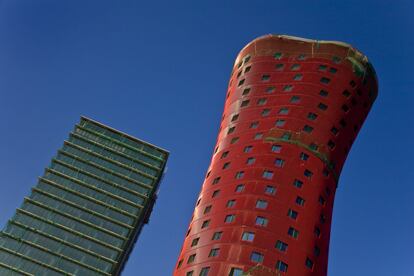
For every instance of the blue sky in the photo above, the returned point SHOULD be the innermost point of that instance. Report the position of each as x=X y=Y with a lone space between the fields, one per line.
x=159 y=70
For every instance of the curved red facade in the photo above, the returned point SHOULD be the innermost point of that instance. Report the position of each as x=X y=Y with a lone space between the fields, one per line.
x=293 y=109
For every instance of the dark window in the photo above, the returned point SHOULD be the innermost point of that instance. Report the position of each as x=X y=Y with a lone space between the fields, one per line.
x=297 y=183
x=336 y=59
x=226 y=165
x=352 y=83
x=241 y=82
x=298 y=77
x=345 y=108
x=254 y=125
x=191 y=258
x=292 y=214
x=265 y=77
x=205 y=224
x=333 y=70
x=250 y=160
x=288 y=88
x=280 y=123
x=270 y=89
x=256 y=257
x=244 y=103
x=295 y=67
x=215 y=193
x=267 y=174
x=331 y=144
x=265 y=112
x=234 y=140
x=258 y=136
x=224 y=154
x=322 y=67
x=308 y=173
x=231 y=130
x=302 y=57
x=317 y=232
x=322 y=106
x=284 y=111
x=316 y=251
x=295 y=99
x=189 y=273
x=279 y=66
x=279 y=162
x=281 y=266
x=248 y=149
x=307 y=129
x=214 y=252
x=239 y=175
x=207 y=209
x=300 y=201
x=246 y=59
x=293 y=232
x=216 y=180
x=278 y=55
x=322 y=201
x=304 y=156
x=334 y=130
x=247 y=69
x=179 y=263
x=312 y=116
x=309 y=263
x=204 y=271
x=217 y=235
x=236 y=272
x=235 y=117
x=281 y=246
x=195 y=242
x=346 y=93
x=342 y=123
x=246 y=92
x=261 y=101
x=230 y=203
x=323 y=93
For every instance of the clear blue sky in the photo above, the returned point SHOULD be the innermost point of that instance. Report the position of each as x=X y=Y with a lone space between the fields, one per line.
x=159 y=70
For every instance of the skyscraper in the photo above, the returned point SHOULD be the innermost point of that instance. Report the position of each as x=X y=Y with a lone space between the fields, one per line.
x=293 y=109
x=86 y=211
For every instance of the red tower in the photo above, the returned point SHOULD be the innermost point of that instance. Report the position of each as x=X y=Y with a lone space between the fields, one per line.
x=293 y=108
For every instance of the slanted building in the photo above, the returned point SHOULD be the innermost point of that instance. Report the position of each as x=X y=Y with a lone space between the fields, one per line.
x=85 y=213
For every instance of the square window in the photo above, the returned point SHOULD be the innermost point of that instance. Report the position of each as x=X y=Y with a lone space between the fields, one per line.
x=248 y=236
x=231 y=203
x=207 y=209
x=292 y=214
x=308 y=173
x=217 y=236
x=247 y=69
x=267 y=174
x=246 y=92
x=298 y=77
x=261 y=101
x=284 y=111
x=288 y=88
x=246 y=59
x=244 y=103
x=215 y=193
x=261 y=204
x=191 y=258
x=241 y=82
x=278 y=55
x=276 y=148
x=309 y=263
x=189 y=273
x=313 y=146
x=226 y=165
x=265 y=112
x=322 y=106
x=312 y=116
x=322 y=67
x=216 y=180
x=297 y=183
x=295 y=99
x=261 y=221
x=346 y=93
x=231 y=130
x=239 y=188
x=248 y=149
x=323 y=93
x=250 y=160
x=304 y=156
x=234 y=140
x=280 y=122
x=270 y=89
x=279 y=66
x=333 y=70
x=224 y=154
x=205 y=224
x=279 y=162
x=300 y=201
x=307 y=129
x=239 y=175
x=204 y=271
x=239 y=74
x=293 y=232
x=281 y=246
x=286 y=136
x=235 y=117
x=281 y=266
x=270 y=190
x=229 y=218
x=236 y=272
x=254 y=125
x=295 y=67
x=256 y=257
x=214 y=252
x=258 y=136
x=265 y=77
x=195 y=242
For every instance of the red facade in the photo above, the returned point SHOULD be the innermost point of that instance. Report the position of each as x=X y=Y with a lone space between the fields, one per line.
x=293 y=109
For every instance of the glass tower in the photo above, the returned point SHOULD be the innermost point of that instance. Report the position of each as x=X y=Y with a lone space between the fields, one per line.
x=85 y=213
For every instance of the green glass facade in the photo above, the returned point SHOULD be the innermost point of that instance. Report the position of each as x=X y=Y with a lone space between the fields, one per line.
x=85 y=213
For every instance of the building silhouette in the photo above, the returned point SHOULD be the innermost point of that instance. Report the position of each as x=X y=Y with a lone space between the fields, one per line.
x=85 y=213
x=292 y=111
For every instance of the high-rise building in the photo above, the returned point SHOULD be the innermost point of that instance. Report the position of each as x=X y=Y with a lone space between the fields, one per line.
x=293 y=109
x=85 y=213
